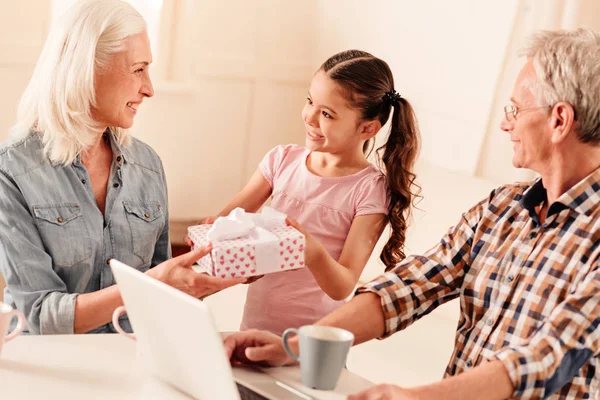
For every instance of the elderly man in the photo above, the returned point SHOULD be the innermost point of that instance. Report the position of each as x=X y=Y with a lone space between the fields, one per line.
x=524 y=262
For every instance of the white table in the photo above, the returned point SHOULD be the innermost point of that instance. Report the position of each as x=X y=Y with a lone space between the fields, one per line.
x=104 y=367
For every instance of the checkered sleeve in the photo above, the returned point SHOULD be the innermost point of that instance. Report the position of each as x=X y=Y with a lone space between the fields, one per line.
x=540 y=365
x=419 y=284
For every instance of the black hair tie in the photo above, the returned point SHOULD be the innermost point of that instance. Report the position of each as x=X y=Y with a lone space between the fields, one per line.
x=391 y=97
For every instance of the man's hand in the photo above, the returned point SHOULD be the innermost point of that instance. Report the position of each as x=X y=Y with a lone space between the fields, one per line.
x=386 y=392
x=488 y=381
x=256 y=347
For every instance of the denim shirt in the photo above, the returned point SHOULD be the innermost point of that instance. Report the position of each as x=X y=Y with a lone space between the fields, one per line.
x=55 y=242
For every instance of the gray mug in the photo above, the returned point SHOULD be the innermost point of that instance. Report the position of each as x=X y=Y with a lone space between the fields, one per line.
x=323 y=353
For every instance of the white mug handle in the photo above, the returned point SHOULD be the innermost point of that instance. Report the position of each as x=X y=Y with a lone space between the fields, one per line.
x=115 y=320
x=20 y=325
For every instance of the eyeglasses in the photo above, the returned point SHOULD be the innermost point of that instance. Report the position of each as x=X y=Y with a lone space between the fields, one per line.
x=511 y=111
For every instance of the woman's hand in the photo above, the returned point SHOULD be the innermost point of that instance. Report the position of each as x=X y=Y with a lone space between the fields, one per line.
x=203 y=221
x=178 y=273
x=253 y=279
x=313 y=250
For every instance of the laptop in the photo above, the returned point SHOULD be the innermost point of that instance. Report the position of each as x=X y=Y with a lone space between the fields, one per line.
x=180 y=345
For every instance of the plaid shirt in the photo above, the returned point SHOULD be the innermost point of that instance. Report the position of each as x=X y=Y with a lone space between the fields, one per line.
x=529 y=292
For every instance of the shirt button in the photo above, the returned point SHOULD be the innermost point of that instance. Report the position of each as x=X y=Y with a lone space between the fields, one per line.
x=490 y=322
x=469 y=363
x=83 y=181
x=60 y=220
x=147 y=215
x=116 y=185
x=118 y=158
x=108 y=261
x=510 y=278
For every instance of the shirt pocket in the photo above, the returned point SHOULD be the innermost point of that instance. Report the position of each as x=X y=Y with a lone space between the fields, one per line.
x=63 y=232
x=146 y=221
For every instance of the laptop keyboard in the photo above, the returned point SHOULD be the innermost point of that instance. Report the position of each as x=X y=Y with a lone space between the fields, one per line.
x=249 y=394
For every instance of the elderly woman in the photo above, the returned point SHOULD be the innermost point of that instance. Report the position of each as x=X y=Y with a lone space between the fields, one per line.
x=76 y=190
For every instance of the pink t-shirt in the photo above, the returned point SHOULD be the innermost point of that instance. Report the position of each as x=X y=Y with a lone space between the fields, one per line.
x=325 y=207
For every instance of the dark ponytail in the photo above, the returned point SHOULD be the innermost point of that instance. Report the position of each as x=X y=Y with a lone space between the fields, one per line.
x=368 y=84
x=398 y=155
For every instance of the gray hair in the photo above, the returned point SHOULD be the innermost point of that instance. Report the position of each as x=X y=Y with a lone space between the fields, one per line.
x=567 y=64
x=58 y=100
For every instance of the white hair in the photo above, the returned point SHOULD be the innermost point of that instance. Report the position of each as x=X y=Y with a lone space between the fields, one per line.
x=58 y=100
x=567 y=65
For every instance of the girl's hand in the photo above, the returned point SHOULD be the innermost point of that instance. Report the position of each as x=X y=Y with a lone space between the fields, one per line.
x=205 y=220
x=313 y=251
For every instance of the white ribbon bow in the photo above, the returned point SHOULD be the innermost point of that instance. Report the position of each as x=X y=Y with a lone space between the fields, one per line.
x=240 y=224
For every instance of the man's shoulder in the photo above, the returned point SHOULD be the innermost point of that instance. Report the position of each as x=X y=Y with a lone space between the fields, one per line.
x=505 y=195
x=499 y=201
x=514 y=190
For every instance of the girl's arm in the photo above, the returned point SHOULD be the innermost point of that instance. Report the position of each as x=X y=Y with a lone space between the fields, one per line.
x=252 y=196
x=338 y=278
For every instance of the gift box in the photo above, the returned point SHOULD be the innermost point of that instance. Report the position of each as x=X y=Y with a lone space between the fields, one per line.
x=246 y=244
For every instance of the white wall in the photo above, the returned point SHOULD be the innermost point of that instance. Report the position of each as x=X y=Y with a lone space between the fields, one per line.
x=23 y=27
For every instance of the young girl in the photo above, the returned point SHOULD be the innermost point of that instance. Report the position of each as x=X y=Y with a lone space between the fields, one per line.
x=340 y=201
